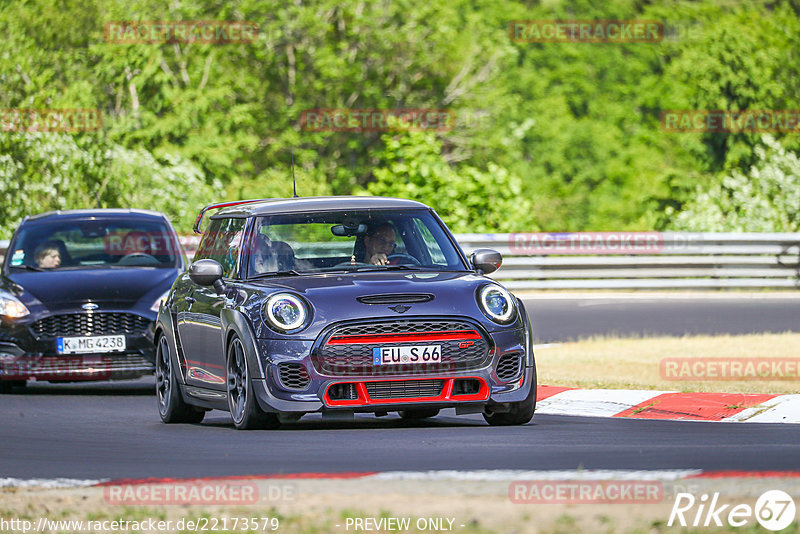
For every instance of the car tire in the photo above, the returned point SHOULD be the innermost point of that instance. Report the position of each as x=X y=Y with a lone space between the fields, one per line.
x=7 y=386
x=419 y=413
x=242 y=403
x=171 y=406
x=519 y=413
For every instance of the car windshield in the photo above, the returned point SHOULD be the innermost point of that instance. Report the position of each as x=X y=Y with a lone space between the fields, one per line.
x=358 y=240
x=94 y=243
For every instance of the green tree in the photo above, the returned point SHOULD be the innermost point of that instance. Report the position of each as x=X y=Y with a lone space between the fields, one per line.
x=468 y=199
x=47 y=171
x=765 y=199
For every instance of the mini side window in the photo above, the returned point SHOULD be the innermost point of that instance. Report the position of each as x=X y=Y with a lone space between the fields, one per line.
x=222 y=242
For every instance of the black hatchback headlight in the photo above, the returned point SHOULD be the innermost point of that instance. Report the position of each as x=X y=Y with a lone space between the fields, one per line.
x=11 y=306
x=286 y=312
x=497 y=304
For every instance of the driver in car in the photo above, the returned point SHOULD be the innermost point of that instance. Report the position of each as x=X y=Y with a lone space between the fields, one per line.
x=136 y=242
x=379 y=242
x=47 y=255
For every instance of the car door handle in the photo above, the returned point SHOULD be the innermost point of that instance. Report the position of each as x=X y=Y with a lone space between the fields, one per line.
x=190 y=300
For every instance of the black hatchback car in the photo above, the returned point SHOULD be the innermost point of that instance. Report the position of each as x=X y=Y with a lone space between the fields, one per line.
x=340 y=305
x=79 y=295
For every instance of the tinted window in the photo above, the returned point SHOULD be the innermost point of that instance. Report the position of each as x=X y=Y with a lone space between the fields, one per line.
x=221 y=242
x=95 y=243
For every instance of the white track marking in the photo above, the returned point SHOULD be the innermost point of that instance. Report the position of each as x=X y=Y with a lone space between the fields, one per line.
x=781 y=409
x=47 y=482
x=493 y=475
x=594 y=402
x=733 y=295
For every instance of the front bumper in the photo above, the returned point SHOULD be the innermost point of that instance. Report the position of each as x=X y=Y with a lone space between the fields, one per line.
x=306 y=389
x=26 y=355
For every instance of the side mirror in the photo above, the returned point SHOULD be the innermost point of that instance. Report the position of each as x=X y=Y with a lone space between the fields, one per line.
x=486 y=260
x=207 y=273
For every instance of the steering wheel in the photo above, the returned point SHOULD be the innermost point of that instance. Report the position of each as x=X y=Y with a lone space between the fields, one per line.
x=397 y=259
x=137 y=258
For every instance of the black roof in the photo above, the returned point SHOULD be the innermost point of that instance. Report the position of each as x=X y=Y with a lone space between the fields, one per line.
x=275 y=206
x=104 y=213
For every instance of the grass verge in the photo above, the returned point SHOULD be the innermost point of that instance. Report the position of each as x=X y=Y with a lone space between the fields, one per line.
x=625 y=363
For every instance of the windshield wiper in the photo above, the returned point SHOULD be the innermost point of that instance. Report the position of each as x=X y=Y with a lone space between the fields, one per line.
x=28 y=267
x=290 y=272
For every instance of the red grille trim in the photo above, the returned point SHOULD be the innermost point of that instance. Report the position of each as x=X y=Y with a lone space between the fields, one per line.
x=360 y=339
x=446 y=395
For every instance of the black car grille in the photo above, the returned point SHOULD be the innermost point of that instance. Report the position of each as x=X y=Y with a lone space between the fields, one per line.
x=293 y=375
x=90 y=324
x=401 y=327
x=402 y=389
x=356 y=359
x=8 y=338
x=509 y=366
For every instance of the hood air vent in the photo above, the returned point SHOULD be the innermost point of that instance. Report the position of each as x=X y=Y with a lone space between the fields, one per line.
x=396 y=298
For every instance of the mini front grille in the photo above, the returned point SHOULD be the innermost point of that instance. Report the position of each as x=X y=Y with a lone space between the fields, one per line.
x=509 y=366
x=398 y=327
x=356 y=359
x=402 y=389
x=293 y=375
x=90 y=324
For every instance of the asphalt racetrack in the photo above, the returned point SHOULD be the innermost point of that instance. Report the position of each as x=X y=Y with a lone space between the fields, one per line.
x=556 y=319
x=112 y=430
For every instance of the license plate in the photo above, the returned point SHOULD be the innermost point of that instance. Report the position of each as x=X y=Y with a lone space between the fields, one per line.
x=407 y=354
x=93 y=344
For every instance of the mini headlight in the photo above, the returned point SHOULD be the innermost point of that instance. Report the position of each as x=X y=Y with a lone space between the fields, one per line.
x=285 y=311
x=10 y=306
x=497 y=303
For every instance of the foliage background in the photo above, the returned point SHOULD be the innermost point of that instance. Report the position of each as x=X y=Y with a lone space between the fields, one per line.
x=553 y=137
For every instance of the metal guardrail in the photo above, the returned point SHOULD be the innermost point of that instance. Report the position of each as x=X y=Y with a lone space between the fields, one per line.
x=632 y=260
x=660 y=261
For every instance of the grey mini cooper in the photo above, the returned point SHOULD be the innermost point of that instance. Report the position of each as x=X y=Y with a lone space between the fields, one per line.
x=340 y=305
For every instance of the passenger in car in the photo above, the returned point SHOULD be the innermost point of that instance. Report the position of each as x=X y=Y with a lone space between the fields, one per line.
x=272 y=256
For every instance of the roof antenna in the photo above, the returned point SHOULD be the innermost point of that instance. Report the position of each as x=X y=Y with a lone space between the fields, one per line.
x=294 y=183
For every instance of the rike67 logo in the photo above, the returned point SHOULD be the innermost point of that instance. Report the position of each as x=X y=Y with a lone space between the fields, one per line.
x=774 y=510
